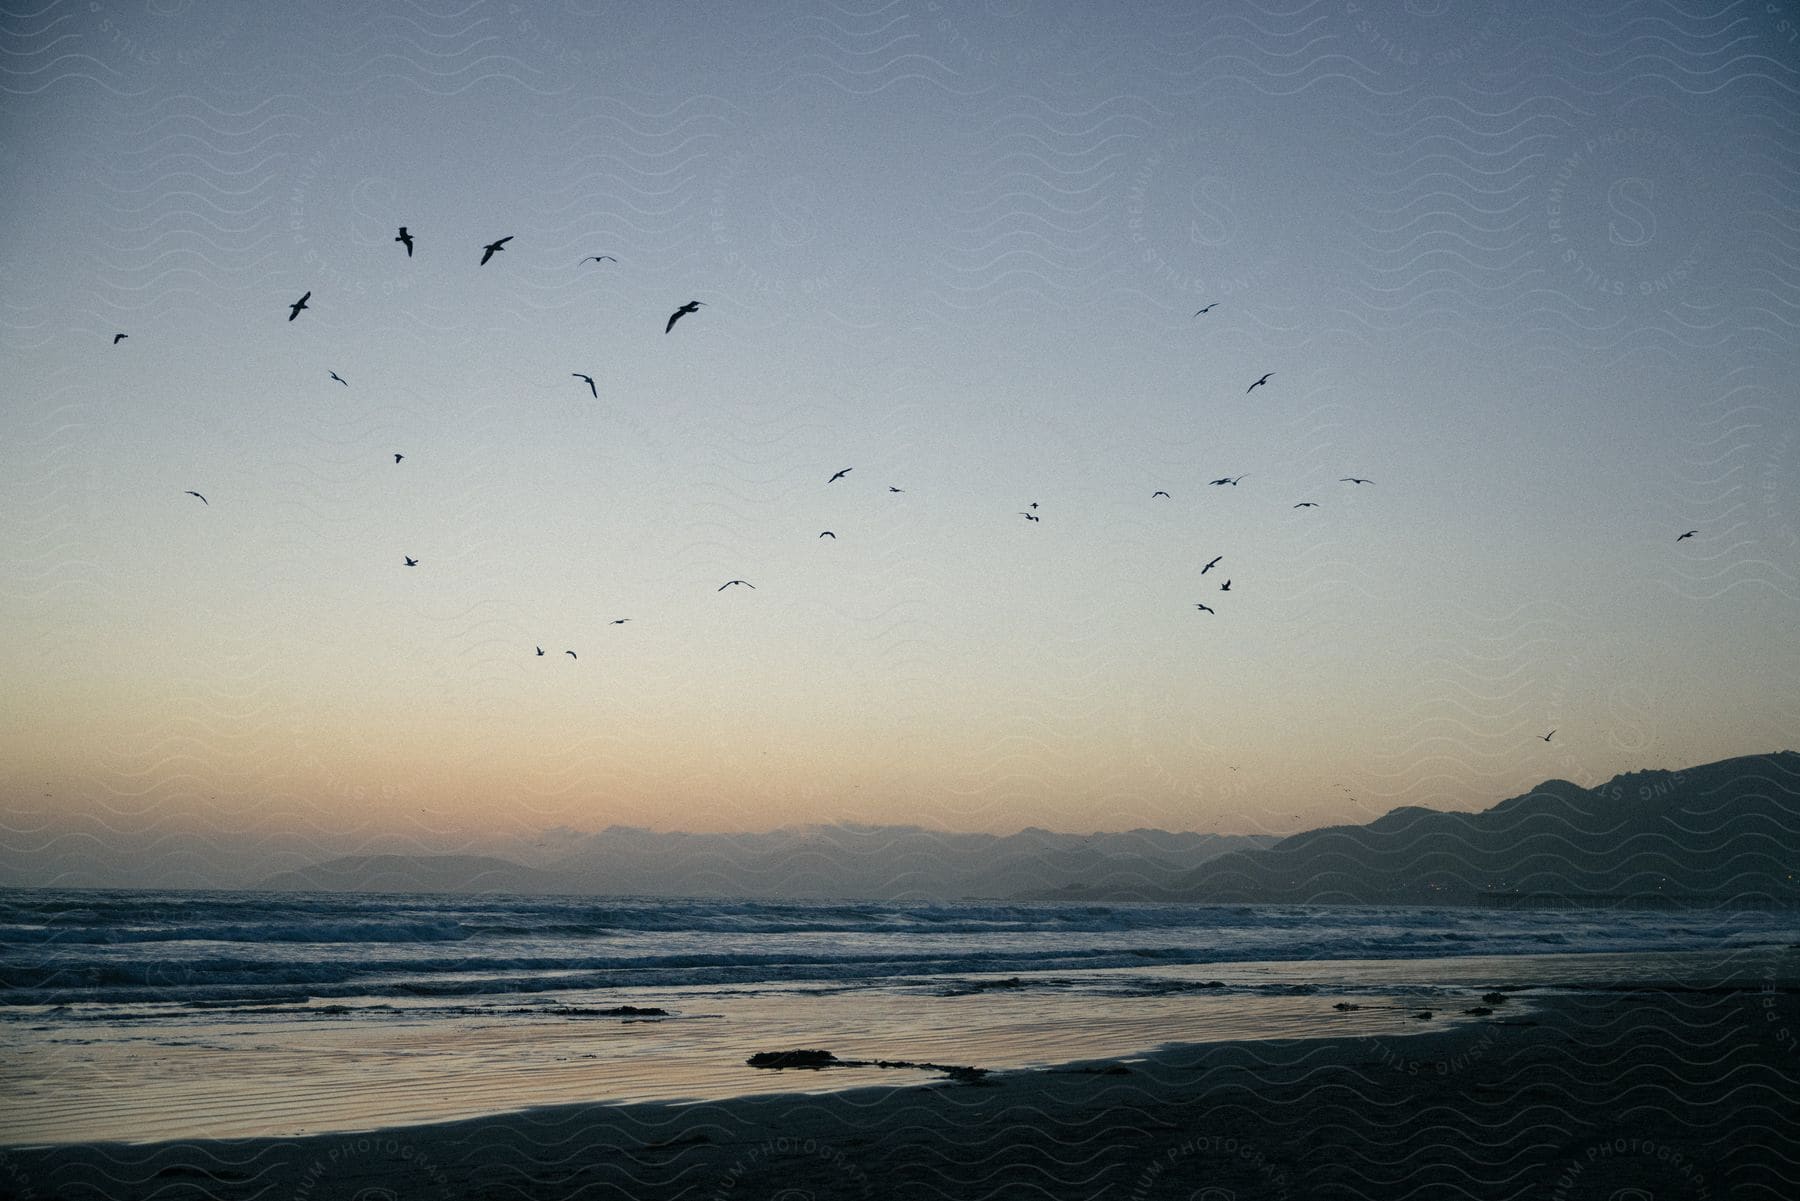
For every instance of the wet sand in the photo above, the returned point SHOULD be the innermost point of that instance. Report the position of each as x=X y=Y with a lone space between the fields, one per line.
x=1682 y=1093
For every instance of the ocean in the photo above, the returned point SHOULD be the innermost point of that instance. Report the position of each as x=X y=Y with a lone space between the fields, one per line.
x=147 y=1015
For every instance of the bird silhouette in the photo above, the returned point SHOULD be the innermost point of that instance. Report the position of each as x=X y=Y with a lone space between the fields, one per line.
x=692 y=306
x=410 y=561
x=493 y=248
x=1350 y=479
x=572 y=654
x=1207 y=608
x=398 y=456
x=405 y=239
x=840 y=475
x=1157 y=493
x=294 y=309
x=540 y=650
x=1209 y=566
x=599 y=258
x=1227 y=480
x=891 y=488
x=340 y=379
x=729 y=583
x=1547 y=736
x=118 y=338
x=1689 y=534
x=1225 y=587
x=203 y=500
x=1029 y=516
x=1032 y=505
x=828 y=534
x=1307 y=504
x=619 y=621
x=1259 y=383
x=589 y=380
x=1209 y=308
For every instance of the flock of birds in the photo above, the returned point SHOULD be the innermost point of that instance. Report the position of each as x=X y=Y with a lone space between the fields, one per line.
x=488 y=251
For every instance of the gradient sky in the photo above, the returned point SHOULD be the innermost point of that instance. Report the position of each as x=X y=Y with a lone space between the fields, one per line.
x=1536 y=272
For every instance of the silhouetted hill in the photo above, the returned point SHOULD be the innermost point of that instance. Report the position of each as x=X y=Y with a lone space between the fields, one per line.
x=1722 y=833
x=867 y=862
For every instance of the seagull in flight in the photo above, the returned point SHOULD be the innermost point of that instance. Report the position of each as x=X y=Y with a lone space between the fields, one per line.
x=1209 y=308
x=1029 y=516
x=572 y=654
x=729 y=583
x=691 y=306
x=1350 y=479
x=118 y=338
x=1207 y=608
x=1259 y=383
x=1209 y=566
x=294 y=309
x=405 y=239
x=619 y=621
x=1547 y=736
x=599 y=258
x=1225 y=587
x=1159 y=492
x=891 y=488
x=1689 y=534
x=589 y=381
x=410 y=561
x=493 y=248
x=1232 y=480
x=398 y=456
x=840 y=475
x=540 y=650
x=340 y=379
x=203 y=500
x=828 y=534
x=1307 y=504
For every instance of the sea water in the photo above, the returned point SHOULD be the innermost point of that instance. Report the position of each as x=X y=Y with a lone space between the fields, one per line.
x=151 y=1015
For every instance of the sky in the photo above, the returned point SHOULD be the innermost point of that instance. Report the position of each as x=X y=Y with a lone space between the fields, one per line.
x=1533 y=272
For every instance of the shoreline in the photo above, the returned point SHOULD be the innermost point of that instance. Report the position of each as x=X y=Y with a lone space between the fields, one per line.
x=1681 y=1092
x=234 y=1075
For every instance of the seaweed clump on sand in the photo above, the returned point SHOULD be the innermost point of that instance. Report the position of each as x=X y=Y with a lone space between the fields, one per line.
x=812 y=1059
x=794 y=1059
x=588 y=1011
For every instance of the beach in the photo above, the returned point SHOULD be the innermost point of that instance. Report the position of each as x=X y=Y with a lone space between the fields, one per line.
x=1683 y=1091
x=239 y=1047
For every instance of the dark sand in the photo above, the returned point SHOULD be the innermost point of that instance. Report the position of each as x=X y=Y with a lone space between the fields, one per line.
x=1680 y=1094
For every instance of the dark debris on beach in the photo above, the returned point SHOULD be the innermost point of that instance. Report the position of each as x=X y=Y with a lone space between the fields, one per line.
x=814 y=1060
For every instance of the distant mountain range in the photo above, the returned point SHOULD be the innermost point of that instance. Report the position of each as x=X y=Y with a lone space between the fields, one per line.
x=1720 y=834
x=865 y=862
